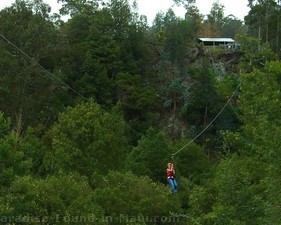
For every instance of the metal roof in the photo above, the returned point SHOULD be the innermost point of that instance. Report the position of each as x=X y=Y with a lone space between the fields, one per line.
x=216 y=39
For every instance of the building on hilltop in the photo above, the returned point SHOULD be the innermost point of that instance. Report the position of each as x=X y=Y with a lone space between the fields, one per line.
x=227 y=43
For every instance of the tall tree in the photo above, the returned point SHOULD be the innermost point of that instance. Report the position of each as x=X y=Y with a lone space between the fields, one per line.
x=92 y=56
x=71 y=8
x=263 y=21
x=13 y=162
x=56 y=199
x=137 y=200
x=232 y=26
x=34 y=91
x=121 y=13
x=195 y=18
x=216 y=18
x=259 y=105
x=150 y=156
x=89 y=140
x=185 y=3
x=255 y=53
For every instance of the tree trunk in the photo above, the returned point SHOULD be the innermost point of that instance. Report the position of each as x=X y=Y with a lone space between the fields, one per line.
x=278 y=29
x=205 y=121
x=266 y=23
x=259 y=37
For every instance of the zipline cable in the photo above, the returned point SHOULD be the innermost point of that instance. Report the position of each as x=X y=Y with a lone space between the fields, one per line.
x=48 y=72
x=234 y=92
x=76 y=92
x=52 y=75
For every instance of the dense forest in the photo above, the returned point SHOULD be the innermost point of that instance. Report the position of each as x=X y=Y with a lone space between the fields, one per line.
x=92 y=109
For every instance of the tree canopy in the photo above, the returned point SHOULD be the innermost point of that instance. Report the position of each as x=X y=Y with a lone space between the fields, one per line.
x=92 y=109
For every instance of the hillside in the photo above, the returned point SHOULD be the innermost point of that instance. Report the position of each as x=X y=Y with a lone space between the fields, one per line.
x=93 y=109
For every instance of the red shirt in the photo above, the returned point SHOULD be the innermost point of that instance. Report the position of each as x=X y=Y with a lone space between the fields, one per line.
x=170 y=173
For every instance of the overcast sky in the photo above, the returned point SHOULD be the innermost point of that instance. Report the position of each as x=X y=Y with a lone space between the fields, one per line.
x=150 y=7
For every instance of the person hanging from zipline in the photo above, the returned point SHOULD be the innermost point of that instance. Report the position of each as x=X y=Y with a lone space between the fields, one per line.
x=171 y=177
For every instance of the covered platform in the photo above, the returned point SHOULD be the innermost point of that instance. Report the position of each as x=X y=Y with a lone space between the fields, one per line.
x=216 y=42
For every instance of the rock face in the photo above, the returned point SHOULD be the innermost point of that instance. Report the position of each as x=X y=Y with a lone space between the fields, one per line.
x=229 y=58
x=222 y=61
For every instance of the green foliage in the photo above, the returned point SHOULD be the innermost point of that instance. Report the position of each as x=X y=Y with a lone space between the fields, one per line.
x=260 y=110
x=263 y=21
x=34 y=92
x=89 y=140
x=35 y=150
x=5 y=125
x=195 y=19
x=134 y=94
x=231 y=27
x=13 y=161
x=263 y=129
x=234 y=194
x=76 y=7
x=191 y=162
x=128 y=198
x=265 y=99
x=94 y=56
x=138 y=101
x=216 y=18
x=225 y=85
x=240 y=192
x=258 y=140
x=177 y=92
x=205 y=101
x=185 y=3
x=273 y=189
x=176 y=35
x=150 y=156
x=255 y=53
x=64 y=199
x=158 y=78
x=201 y=200
x=216 y=51
x=172 y=88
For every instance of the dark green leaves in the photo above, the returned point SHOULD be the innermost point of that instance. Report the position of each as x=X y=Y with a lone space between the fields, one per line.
x=89 y=140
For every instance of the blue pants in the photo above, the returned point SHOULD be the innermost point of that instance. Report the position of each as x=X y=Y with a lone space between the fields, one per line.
x=173 y=184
